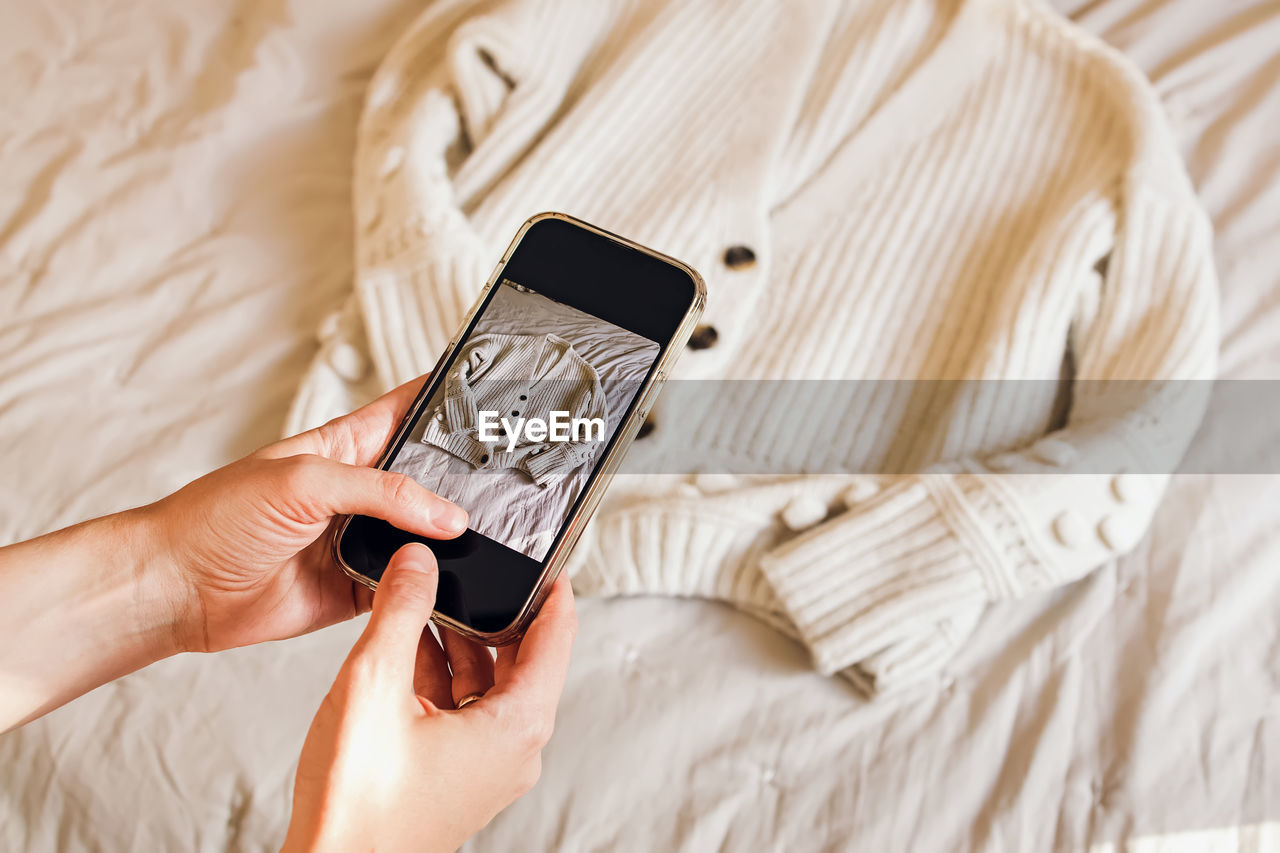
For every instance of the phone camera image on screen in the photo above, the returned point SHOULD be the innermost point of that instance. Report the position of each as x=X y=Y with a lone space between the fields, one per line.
x=532 y=398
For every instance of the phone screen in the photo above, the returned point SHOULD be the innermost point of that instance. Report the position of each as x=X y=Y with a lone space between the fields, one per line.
x=531 y=398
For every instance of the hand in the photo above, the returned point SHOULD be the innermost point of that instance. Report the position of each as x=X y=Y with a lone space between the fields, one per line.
x=237 y=557
x=388 y=764
x=243 y=547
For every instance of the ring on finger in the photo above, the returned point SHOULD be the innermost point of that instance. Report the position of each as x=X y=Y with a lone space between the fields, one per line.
x=468 y=699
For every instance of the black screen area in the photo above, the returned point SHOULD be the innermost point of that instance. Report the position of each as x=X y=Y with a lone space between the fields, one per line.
x=483 y=583
x=571 y=331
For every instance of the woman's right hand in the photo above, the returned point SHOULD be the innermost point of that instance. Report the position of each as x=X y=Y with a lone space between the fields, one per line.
x=389 y=764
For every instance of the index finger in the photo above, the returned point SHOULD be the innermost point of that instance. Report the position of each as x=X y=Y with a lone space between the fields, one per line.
x=532 y=673
x=356 y=438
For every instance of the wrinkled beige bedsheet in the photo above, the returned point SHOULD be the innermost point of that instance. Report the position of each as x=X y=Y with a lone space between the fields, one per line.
x=174 y=223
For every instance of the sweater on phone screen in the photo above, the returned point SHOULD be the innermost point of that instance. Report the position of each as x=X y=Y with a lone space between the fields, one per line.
x=518 y=377
x=890 y=192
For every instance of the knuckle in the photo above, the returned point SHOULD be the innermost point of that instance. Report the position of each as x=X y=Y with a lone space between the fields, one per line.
x=399 y=488
x=339 y=440
x=462 y=667
x=532 y=733
x=264 y=452
x=523 y=731
x=297 y=473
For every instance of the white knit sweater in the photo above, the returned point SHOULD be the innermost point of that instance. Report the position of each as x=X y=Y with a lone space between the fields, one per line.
x=889 y=190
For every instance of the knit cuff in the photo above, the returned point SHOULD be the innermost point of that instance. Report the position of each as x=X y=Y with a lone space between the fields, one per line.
x=560 y=459
x=884 y=572
x=676 y=549
x=460 y=413
x=920 y=658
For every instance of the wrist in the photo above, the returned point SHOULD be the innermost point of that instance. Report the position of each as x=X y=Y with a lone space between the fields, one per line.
x=78 y=608
x=131 y=599
x=160 y=608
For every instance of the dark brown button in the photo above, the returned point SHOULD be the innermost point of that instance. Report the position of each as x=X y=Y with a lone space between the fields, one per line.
x=739 y=257
x=647 y=427
x=703 y=337
x=484 y=457
x=1101 y=266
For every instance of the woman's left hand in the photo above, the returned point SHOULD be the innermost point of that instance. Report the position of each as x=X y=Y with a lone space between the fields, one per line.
x=244 y=546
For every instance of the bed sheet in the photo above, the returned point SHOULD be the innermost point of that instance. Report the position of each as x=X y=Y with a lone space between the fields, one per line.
x=175 y=222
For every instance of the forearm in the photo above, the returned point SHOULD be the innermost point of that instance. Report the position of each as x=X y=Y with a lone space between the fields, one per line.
x=78 y=608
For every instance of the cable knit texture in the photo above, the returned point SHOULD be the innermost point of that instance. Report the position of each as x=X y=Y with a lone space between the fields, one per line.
x=930 y=190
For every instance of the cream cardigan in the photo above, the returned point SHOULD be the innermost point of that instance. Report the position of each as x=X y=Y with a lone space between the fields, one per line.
x=889 y=190
x=517 y=376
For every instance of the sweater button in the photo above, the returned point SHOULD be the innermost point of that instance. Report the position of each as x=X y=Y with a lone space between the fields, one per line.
x=1054 y=451
x=348 y=362
x=860 y=490
x=1070 y=529
x=703 y=337
x=739 y=257
x=1127 y=487
x=331 y=326
x=1118 y=534
x=803 y=512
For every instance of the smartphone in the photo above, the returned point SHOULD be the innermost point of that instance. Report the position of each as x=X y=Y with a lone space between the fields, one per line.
x=528 y=413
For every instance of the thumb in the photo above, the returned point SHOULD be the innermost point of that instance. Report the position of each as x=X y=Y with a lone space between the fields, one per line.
x=402 y=607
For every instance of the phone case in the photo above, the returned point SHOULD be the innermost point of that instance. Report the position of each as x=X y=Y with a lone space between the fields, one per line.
x=608 y=466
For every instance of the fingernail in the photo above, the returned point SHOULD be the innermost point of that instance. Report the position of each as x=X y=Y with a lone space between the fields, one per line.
x=415 y=556
x=450 y=517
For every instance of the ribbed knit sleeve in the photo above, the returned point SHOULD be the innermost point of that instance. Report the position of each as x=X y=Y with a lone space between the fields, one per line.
x=932 y=548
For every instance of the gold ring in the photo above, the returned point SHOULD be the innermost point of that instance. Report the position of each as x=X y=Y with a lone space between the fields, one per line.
x=468 y=699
